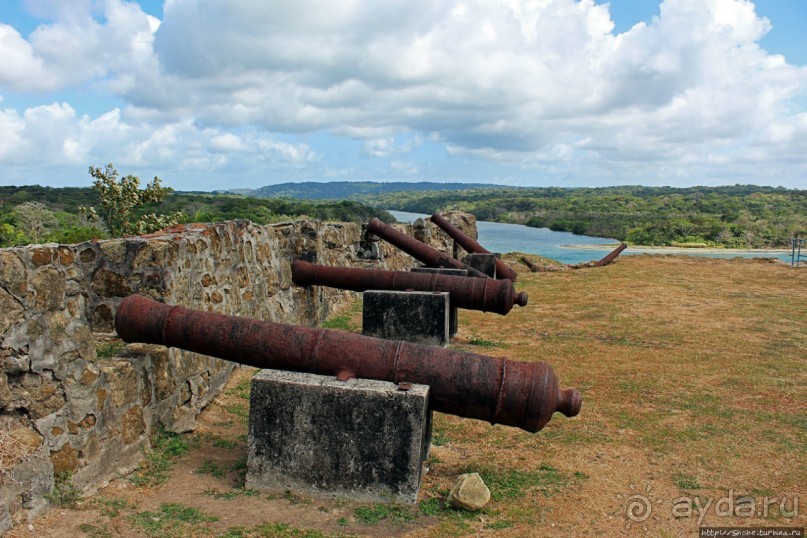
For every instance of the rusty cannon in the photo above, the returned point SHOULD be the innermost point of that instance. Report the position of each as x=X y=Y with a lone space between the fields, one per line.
x=419 y=250
x=483 y=294
x=498 y=390
x=611 y=256
x=503 y=271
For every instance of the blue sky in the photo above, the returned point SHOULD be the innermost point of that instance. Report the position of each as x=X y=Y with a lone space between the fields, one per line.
x=244 y=93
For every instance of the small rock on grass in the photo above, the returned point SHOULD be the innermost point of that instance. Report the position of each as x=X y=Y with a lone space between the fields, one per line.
x=469 y=493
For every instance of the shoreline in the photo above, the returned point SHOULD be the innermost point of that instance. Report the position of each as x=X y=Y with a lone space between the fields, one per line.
x=640 y=249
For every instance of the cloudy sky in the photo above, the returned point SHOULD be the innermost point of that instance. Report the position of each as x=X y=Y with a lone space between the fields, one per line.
x=219 y=94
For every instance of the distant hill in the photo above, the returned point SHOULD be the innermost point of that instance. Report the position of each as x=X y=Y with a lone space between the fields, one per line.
x=341 y=190
x=245 y=192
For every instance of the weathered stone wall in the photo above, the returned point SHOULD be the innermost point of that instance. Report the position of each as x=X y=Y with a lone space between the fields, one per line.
x=64 y=408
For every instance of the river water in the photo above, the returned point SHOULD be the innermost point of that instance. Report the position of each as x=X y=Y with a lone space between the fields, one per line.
x=567 y=247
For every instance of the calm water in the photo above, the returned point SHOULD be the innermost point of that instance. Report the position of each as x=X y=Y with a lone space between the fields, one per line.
x=500 y=237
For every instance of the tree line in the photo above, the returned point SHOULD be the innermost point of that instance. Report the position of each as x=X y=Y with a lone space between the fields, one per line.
x=117 y=205
x=739 y=216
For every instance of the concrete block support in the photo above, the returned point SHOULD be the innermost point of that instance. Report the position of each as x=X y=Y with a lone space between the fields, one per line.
x=453 y=322
x=486 y=263
x=421 y=317
x=360 y=439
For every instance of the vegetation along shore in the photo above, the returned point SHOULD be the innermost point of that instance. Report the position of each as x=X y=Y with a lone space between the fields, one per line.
x=734 y=217
x=740 y=216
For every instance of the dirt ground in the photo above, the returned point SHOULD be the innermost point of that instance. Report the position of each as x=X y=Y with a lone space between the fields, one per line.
x=694 y=381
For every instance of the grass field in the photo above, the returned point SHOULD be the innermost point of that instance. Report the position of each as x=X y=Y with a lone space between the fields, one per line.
x=694 y=378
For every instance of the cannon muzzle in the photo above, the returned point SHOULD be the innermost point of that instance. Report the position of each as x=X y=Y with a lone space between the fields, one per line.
x=498 y=390
x=503 y=271
x=483 y=294
x=611 y=256
x=419 y=250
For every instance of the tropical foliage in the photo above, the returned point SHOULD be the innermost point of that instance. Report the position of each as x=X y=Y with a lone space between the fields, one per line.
x=57 y=215
x=737 y=216
x=120 y=198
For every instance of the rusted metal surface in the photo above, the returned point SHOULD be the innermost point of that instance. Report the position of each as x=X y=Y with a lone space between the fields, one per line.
x=612 y=256
x=418 y=250
x=531 y=265
x=503 y=271
x=501 y=391
x=483 y=294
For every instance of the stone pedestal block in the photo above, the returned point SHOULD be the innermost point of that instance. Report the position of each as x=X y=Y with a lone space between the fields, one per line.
x=359 y=439
x=421 y=317
x=453 y=322
x=485 y=263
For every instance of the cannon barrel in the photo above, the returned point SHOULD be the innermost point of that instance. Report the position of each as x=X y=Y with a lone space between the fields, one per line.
x=498 y=390
x=612 y=256
x=503 y=271
x=483 y=294
x=417 y=249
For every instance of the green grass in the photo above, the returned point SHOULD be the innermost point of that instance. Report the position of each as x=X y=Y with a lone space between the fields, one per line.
x=220 y=442
x=500 y=524
x=513 y=483
x=374 y=513
x=686 y=482
x=432 y=507
x=452 y=521
x=64 y=494
x=241 y=410
x=240 y=464
x=343 y=323
x=439 y=439
x=112 y=507
x=172 y=521
x=241 y=390
x=283 y=530
x=481 y=342
x=212 y=468
x=166 y=447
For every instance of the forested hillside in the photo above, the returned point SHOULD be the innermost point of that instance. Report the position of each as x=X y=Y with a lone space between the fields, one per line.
x=34 y=214
x=738 y=216
x=342 y=190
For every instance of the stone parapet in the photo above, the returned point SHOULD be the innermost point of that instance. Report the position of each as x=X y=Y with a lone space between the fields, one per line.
x=70 y=402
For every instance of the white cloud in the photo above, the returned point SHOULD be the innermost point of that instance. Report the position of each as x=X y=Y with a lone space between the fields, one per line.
x=228 y=143
x=379 y=147
x=56 y=135
x=521 y=83
x=20 y=69
x=75 y=47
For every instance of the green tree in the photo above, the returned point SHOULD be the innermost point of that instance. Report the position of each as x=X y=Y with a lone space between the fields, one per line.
x=121 y=198
x=36 y=219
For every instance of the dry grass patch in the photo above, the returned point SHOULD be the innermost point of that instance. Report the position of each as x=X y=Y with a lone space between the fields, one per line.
x=694 y=383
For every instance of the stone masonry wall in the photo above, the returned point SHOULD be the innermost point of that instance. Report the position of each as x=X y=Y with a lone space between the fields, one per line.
x=64 y=408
